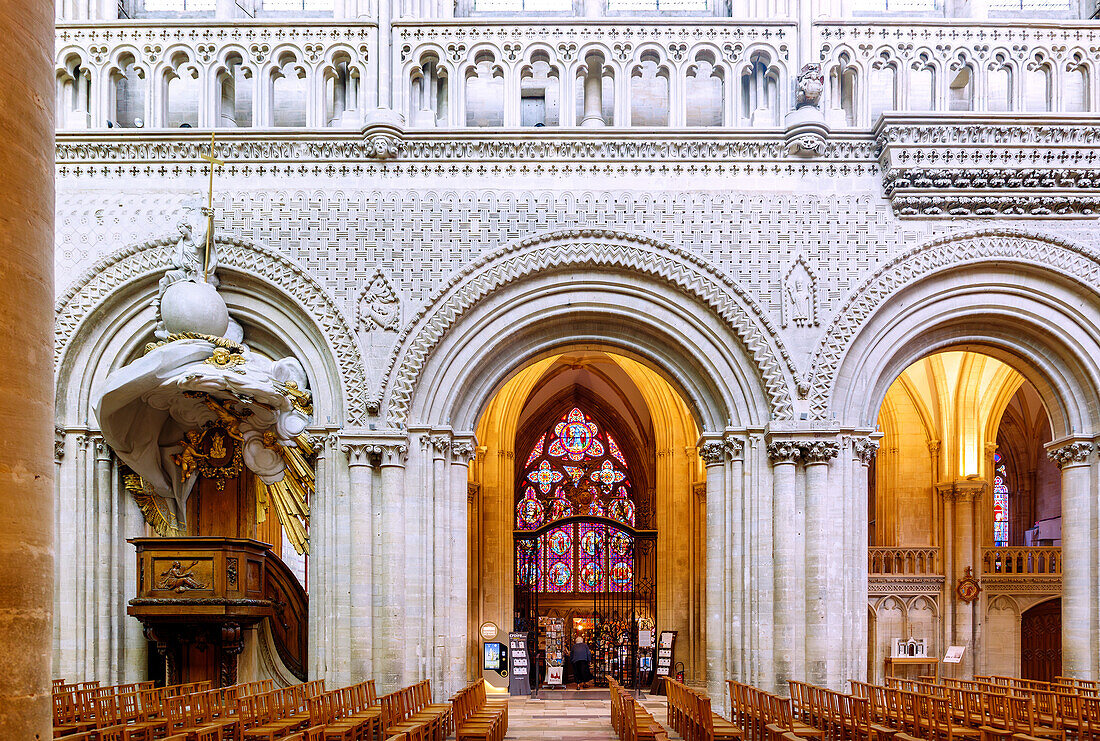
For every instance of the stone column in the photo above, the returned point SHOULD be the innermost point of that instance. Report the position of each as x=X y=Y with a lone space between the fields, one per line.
x=439 y=565
x=864 y=450
x=104 y=533
x=26 y=356
x=361 y=458
x=713 y=453
x=817 y=455
x=1078 y=553
x=463 y=644
x=789 y=606
x=737 y=560
x=593 y=92
x=389 y=624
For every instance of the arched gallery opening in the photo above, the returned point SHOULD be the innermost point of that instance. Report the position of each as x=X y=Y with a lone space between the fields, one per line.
x=587 y=506
x=962 y=491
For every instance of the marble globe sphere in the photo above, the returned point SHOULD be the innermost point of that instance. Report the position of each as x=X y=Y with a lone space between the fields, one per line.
x=194 y=307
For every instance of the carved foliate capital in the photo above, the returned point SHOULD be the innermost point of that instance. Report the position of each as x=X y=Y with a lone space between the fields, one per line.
x=819 y=451
x=713 y=452
x=394 y=454
x=1073 y=454
x=361 y=454
x=102 y=449
x=440 y=446
x=734 y=447
x=462 y=451
x=784 y=451
x=865 y=450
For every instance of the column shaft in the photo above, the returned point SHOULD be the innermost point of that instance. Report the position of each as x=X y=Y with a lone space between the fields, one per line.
x=26 y=355
x=717 y=563
x=818 y=545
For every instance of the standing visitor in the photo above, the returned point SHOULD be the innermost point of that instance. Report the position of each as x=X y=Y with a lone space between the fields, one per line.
x=580 y=657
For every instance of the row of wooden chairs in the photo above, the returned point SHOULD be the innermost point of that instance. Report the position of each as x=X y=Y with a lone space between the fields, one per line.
x=270 y=716
x=630 y=720
x=690 y=715
x=347 y=714
x=411 y=711
x=476 y=717
x=765 y=716
x=1066 y=709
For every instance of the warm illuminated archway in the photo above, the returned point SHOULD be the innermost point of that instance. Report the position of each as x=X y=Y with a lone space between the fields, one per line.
x=954 y=424
x=646 y=434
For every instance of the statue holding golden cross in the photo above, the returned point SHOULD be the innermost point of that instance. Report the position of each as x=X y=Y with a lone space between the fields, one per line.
x=209 y=210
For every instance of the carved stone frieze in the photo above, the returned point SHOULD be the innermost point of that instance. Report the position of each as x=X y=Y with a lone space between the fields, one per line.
x=886 y=584
x=1034 y=584
x=941 y=165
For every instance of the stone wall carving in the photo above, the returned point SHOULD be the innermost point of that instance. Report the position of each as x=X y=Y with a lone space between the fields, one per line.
x=139 y=261
x=379 y=307
x=577 y=247
x=963 y=248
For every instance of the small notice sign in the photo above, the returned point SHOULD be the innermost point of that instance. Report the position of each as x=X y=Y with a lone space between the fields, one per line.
x=954 y=655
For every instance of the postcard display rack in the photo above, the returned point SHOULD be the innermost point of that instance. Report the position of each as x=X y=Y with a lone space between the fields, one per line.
x=552 y=643
x=519 y=665
x=665 y=647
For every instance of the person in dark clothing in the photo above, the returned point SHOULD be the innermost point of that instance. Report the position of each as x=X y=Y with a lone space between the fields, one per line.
x=581 y=657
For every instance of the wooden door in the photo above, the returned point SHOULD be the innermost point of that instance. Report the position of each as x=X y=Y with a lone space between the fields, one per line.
x=1041 y=641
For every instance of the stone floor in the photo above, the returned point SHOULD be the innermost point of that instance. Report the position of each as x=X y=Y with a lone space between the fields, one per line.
x=569 y=720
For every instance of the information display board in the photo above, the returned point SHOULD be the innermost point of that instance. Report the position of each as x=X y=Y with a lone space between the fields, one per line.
x=519 y=665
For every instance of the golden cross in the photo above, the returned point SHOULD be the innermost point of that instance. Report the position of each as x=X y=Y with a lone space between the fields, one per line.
x=214 y=162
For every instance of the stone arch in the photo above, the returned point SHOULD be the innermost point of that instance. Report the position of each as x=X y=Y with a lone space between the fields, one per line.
x=765 y=373
x=1022 y=296
x=130 y=274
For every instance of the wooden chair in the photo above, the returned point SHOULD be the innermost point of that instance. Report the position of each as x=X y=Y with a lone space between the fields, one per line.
x=1024 y=724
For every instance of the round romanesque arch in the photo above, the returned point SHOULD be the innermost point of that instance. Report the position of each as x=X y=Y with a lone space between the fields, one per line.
x=597 y=287
x=105 y=316
x=1007 y=293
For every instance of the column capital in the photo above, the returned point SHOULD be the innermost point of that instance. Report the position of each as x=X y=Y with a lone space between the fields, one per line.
x=1072 y=454
x=103 y=451
x=394 y=454
x=440 y=444
x=865 y=449
x=463 y=451
x=713 y=452
x=961 y=491
x=819 y=451
x=784 y=451
x=361 y=453
x=735 y=448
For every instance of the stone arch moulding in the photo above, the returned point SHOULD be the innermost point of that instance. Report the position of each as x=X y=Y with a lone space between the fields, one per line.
x=140 y=261
x=585 y=248
x=1047 y=260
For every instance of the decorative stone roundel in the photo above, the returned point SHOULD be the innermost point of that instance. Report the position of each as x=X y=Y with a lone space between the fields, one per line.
x=585 y=248
x=959 y=249
x=135 y=262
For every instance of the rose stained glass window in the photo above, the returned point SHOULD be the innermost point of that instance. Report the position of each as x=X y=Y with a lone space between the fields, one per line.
x=576 y=468
x=1000 y=501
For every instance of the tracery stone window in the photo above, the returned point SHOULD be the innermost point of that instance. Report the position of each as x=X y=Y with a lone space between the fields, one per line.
x=578 y=469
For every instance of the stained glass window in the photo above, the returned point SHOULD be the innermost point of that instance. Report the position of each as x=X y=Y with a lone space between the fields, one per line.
x=1000 y=501
x=577 y=469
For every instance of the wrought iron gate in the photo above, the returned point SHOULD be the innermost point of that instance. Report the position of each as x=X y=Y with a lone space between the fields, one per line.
x=614 y=565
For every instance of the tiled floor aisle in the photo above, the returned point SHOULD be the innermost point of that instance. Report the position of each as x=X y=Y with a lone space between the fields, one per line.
x=568 y=720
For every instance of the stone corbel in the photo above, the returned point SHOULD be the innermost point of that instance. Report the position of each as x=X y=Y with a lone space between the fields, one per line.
x=383 y=134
